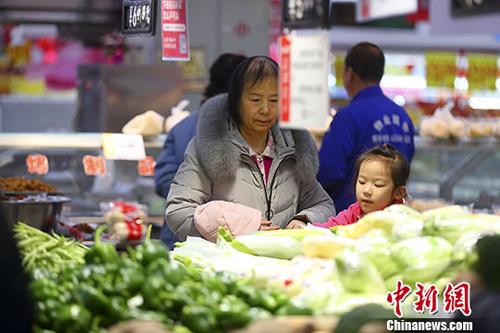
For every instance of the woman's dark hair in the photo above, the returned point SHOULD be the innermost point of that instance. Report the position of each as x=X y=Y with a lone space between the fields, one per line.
x=398 y=165
x=367 y=61
x=220 y=74
x=248 y=73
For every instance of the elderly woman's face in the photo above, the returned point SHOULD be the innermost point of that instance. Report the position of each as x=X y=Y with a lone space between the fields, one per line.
x=259 y=106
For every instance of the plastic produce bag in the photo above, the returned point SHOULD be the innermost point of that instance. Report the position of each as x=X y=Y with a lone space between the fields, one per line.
x=147 y=123
x=358 y=274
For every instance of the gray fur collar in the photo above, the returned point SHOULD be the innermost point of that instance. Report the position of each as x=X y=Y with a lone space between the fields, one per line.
x=219 y=155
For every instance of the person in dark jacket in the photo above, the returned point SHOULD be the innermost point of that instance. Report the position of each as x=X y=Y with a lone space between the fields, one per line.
x=16 y=305
x=369 y=120
x=172 y=154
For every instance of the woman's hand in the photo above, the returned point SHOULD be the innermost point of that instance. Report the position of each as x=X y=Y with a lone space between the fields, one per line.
x=295 y=224
x=266 y=225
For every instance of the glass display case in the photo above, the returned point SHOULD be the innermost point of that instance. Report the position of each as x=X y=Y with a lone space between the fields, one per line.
x=65 y=154
x=463 y=172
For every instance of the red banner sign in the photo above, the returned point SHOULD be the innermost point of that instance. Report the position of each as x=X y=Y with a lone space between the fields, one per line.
x=174 y=30
x=285 y=49
x=37 y=163
x=94 y=165
x=146 y=166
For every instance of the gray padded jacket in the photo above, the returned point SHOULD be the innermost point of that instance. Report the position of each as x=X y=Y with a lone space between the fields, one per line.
x=218 y=166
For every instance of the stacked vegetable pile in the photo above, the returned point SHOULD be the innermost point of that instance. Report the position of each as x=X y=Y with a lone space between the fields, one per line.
x=40 y=249
x=359 y=263
x=143 y=284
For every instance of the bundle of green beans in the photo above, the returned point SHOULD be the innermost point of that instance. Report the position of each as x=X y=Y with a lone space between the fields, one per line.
x=51 y=252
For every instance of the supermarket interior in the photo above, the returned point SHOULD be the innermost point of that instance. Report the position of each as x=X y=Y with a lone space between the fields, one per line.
x=92 y=92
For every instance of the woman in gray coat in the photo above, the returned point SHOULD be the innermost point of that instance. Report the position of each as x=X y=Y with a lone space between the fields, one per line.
x=241 y=155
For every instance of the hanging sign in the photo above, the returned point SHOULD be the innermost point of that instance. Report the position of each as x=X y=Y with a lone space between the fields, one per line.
x=305 y=14
x=123 y=146
x=284 y=61
x=460 y=8
x=304 y=97
x=138 y=17
x=37 y=164
x=440 y=69
x=174 y=28
x=367 y=10
x=94 y=165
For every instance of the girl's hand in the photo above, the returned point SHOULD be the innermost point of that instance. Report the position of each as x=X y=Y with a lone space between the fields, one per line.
x=266 y=225
x=295 y=224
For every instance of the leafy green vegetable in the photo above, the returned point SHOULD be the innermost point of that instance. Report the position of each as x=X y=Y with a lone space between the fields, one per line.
x=281 y=247
x=376 y=246
x=452 y=226
x=422 y=259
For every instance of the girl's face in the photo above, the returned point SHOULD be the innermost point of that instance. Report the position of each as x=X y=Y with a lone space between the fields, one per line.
x=259 y=106
x=374 y=187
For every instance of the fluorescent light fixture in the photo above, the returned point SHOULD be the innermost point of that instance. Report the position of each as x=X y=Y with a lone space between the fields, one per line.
x=485 y=103
x=408 y=82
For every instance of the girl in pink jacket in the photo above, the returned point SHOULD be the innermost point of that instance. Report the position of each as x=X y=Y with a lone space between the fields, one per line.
x=381 y=174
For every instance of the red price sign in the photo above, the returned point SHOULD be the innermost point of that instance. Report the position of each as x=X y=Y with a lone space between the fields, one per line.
x=146 y=166
x=174 y=30
x=94 y=165
x=285 y=54
x=37 y=163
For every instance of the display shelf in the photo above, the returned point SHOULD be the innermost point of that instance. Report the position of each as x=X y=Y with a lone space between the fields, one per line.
x=64 y=140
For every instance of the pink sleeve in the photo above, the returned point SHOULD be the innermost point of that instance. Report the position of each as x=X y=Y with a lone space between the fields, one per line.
x=345 y=217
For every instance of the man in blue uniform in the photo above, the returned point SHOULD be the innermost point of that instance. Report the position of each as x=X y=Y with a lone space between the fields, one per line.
x=369 y=120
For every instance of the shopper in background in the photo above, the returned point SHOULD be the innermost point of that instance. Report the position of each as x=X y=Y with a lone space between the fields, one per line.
x=380 y=181
x=369 y=120
x=241 y=155
x=172 y=154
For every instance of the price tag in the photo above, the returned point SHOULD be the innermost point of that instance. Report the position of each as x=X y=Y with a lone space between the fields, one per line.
x=37 y=164
x=304 y=97
x=123 y=146
x=138 y=17
x=94 y=165
x=146 y=166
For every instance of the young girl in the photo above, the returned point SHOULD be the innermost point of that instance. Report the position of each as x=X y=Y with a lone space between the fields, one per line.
x=381 y=174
